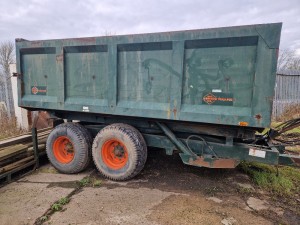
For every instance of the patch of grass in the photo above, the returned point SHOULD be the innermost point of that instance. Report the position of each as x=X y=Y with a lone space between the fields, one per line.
x=243 y=190
x=85 y=181
x=286 y=183
x=90 y=181
x=96 y=182
x=57 y=206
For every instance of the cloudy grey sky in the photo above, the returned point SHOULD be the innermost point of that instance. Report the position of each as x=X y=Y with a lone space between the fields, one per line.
x=48 y=19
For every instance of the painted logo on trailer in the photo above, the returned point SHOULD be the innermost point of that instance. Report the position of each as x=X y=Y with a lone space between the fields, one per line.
x=210 y=98
x=218 y=98
x=39 y=90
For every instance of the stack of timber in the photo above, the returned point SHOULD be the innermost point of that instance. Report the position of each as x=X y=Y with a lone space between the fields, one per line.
x=18 y=151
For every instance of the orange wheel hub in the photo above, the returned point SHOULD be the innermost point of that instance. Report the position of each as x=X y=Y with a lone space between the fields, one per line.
x=63 y=150
x=114 y=154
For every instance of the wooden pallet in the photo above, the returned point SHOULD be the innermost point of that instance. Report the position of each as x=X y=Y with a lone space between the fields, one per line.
x=17 y=153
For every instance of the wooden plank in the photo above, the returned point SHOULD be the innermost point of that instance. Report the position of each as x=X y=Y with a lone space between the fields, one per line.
x=15 y=158
x=15 y=164
x=12 y=151
x=19 y=156
x=40 y=141
x=41 y=147
x=23 y=137
x=30 y=163
x=15 y=140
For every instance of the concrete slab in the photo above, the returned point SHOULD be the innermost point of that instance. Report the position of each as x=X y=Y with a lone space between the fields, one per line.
x=22 y=203
x=119 y=205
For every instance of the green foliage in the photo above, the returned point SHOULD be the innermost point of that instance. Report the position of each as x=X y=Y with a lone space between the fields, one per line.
x=90 y=181
x=64 y=201
x=285 y=183
x=57 y=206
x=85 y=181
x=44 y=218
x=96 y=183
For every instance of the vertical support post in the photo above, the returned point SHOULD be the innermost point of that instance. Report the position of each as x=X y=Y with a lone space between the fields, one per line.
x=35 y=146
x=35 y=139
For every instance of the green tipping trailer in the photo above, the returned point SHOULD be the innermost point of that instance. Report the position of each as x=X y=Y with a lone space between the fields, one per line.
x=203 y=92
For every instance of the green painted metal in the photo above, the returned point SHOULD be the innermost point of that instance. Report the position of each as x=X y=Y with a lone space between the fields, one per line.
x=175 y=140
x=210 y=149
x=219 y=76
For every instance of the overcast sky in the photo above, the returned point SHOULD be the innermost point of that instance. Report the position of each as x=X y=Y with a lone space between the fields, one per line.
x=48 y=19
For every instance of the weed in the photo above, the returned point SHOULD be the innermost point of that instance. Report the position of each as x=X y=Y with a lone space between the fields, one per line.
x=89 y=181
x=85 y=181
x=96 y=183
x=44 y=218
x=64 y=201
x=57 y=206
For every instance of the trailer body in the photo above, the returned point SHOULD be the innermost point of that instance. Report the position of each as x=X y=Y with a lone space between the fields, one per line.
x=203 y=92
x=218 y=76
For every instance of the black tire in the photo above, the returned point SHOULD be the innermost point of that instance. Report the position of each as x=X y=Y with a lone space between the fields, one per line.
x=134 y=144
x=80 y=140
x=88 y=137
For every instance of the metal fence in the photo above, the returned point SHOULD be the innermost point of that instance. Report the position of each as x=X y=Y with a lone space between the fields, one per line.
x=6 y=95
x=287 y=91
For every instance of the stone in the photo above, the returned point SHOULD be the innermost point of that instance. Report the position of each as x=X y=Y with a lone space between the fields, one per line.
x=246 y=186
x=217 y=200
x=229 y=221
x=279 y=211
x=257 y=204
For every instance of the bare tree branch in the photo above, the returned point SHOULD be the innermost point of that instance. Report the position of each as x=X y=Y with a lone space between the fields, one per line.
x=7 y=56
x=287 y=59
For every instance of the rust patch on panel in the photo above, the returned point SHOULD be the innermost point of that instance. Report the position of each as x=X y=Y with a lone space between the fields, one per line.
x=175 y=112
x=59 y=58
x=258 y=116
x=36 y=44
x=214 y=163
x=86 y=40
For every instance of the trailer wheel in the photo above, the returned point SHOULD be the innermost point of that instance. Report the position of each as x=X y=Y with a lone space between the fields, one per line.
x=68 y=148
x=119 y=151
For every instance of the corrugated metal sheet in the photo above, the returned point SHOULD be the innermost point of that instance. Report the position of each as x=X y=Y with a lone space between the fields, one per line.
x=6 y=95
x=287 y=90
